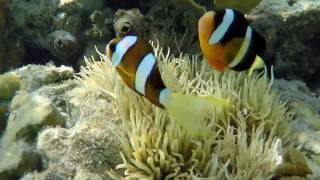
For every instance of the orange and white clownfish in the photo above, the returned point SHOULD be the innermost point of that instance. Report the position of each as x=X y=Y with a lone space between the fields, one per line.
x=136 y=64
x=228 y=41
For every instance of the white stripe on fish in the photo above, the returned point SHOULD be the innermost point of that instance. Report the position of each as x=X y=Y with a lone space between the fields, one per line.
x=143 y=72
x=121 y=49
x=222 y=29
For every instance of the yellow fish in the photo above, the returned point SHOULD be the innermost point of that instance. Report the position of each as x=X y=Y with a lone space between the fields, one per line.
x=242 y=5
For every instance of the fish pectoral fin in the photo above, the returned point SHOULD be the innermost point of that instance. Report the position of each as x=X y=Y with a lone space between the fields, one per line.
x=258 y=63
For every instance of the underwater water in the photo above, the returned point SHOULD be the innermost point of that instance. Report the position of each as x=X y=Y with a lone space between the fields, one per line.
x=159 y=89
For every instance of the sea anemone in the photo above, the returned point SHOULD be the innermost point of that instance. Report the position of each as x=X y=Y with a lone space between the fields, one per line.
x=246 y=138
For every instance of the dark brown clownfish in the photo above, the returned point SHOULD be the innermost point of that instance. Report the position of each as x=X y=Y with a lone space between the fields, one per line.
x=228 y=41
x=136 y=64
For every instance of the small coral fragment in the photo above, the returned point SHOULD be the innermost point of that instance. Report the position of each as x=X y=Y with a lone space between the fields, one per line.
x=129 y=21
x=9 y=84
x=63 y=44
x=294 y=164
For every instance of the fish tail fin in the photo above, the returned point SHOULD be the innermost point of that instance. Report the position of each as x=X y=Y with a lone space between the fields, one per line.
x=258 y=63
x=190 y=111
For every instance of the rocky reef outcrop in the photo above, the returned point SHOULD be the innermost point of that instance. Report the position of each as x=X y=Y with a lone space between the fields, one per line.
x=66 y=30
x=56 y=30
x=50 y=127
x=306 y=127
x=28 y=112
x=292 y=32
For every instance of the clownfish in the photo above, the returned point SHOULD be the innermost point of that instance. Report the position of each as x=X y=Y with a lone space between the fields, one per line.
x=228 y=41
x=136 y=64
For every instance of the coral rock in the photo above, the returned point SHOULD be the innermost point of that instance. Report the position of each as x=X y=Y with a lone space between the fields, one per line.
x=36 y=76
x=9 y=84
x=309 y=141
x=86 y=150
x=63 y=45
x=17 y=158
x=294 y=164
x=29 y=113
x=129 y=21
x=292 y=32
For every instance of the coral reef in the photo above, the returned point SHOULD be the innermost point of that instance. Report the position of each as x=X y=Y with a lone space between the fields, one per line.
x=84 y=124
x=100 y=21
x=16 y=159
x=297 y=91
x=23 y=123
x=129 y=21
x=29 y=112
x=292 y=31
x=306 y=126
x=32 y=18
x=63 y=44
x=172 y=22
x=304 y=103
x=56 y=128
x=9 y=84
x=86 y=149
x=53 y=126
x=294 y=165
x=49 y=25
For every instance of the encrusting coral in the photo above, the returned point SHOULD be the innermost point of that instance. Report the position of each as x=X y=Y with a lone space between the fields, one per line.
x=33 y=98
x=246 y=139
x=9 y=84
x=294 y=164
